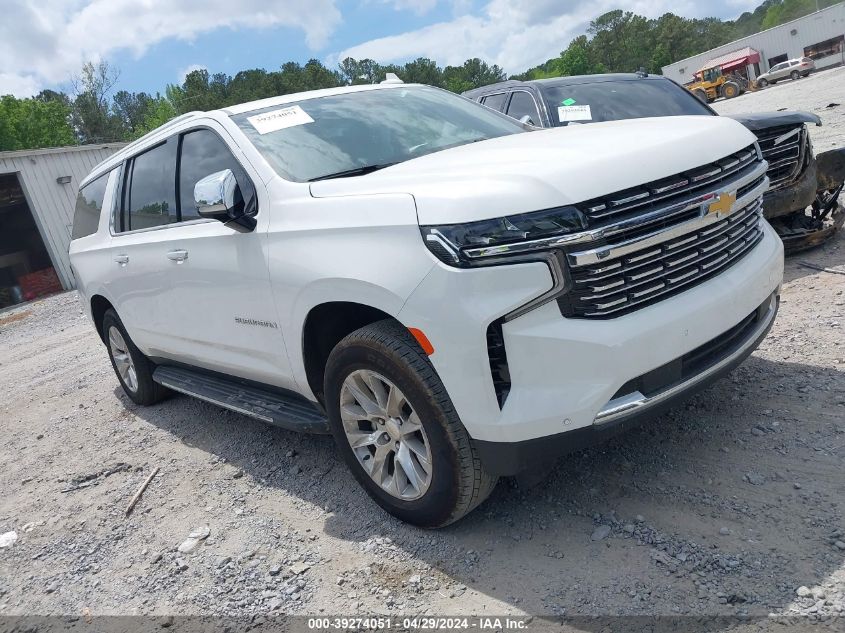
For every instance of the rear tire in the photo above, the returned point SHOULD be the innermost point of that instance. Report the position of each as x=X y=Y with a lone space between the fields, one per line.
x=795 y=75
x=133 y=369
x=383 y=367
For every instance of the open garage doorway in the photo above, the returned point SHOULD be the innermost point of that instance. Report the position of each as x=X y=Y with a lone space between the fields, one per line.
x=26 y=271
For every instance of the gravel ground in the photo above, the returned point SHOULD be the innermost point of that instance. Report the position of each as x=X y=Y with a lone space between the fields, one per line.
x=729 y=505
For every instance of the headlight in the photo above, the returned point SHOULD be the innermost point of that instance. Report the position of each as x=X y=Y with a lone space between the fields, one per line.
x=477 y=243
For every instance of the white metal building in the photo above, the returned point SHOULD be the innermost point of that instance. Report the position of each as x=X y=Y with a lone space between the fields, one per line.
x=37 y=198
x=820 y=36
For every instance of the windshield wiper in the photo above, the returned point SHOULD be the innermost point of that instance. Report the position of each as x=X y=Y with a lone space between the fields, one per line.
x=356 y=171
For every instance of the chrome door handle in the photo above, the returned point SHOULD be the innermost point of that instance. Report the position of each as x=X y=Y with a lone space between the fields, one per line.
x=178 y=255
x=122 y=259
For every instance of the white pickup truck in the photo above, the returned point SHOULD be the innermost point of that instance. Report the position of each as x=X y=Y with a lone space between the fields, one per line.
x=451 y=294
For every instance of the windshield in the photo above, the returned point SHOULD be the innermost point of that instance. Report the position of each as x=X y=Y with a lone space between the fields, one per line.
x=615 y=100
x=355 y=133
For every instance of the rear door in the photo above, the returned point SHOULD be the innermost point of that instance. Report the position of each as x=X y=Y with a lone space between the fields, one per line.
x=139 y=284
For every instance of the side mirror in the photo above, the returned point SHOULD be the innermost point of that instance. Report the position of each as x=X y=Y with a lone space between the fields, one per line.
x=218 y=197
x=525 y=118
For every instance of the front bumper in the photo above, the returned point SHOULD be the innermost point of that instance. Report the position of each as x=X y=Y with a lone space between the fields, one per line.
x=794 y=196
x=564 y=372
x=631 y=409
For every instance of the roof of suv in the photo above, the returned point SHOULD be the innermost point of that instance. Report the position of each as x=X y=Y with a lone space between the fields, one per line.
x=562 y=81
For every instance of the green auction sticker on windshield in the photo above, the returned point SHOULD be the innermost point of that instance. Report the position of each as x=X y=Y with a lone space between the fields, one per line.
x=574 y=113
x=568 y=102
x=279 y=119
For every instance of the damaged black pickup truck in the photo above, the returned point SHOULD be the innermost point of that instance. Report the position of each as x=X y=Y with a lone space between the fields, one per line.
x=802 y=200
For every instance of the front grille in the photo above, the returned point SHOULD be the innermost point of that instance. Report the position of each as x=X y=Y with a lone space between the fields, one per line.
x=617 y=286
x=784 y=157
x=653 y=196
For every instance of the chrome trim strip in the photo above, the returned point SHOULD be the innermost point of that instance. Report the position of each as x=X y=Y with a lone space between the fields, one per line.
x=583 y=258
x=557 y=289
x=637 y=402
x=594 y=235
x=219 y=403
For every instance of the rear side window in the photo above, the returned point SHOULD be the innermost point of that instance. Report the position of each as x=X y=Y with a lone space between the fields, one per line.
x=150 y=188
x=89 y=204
x=204 y=153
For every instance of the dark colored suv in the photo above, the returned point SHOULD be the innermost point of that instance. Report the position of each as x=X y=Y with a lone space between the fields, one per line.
x=797 y=179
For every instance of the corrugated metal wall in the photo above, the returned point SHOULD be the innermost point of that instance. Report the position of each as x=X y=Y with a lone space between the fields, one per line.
x=780 y=40
x=50 y=202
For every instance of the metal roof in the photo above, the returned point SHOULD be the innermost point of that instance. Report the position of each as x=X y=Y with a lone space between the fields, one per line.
x=742 y=57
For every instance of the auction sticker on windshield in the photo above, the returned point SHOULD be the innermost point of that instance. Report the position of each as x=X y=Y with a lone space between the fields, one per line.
x=574 y=113
x=279 y=119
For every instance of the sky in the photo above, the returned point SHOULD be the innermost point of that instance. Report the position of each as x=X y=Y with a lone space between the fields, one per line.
x=43 y=43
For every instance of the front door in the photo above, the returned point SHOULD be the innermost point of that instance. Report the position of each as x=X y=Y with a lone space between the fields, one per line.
x=221 y=311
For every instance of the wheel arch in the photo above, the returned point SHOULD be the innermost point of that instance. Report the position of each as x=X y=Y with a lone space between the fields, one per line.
x=99 y=306
x=324 y=327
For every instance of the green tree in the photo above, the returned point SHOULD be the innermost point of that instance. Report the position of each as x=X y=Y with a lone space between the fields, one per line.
x=91 y=113
x=422 y=71
x=159 y=111
x=474 y=73
x=33 y=123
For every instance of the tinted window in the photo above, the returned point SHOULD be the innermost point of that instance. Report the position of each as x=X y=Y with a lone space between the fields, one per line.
x=522 y=104
x=625 y=99
x=497 y=102
x=326 y=136
x=151 y=195
x=89 y=204
x=203 y=153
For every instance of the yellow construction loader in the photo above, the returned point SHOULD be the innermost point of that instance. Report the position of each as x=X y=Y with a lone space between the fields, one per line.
x=710 y=84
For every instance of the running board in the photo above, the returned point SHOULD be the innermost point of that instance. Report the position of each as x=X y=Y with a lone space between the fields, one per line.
x=287 y=411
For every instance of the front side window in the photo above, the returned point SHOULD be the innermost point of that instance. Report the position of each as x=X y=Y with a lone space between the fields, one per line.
x=89 y=204
x=496 y=102
x=522 y=104
x=358 y=132
x=202 y=154
x=621 y=99
x=150 y=189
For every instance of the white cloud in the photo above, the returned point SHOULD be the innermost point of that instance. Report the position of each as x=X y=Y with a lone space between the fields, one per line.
x=188 y=70
x=420 y=7
x=517 y=34
x=45 y=42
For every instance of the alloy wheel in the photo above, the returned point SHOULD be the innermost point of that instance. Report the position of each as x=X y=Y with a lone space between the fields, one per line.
x=386 y=434
x=122 y=359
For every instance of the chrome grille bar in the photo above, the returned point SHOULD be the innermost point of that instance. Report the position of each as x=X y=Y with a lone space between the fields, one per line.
x=680 y=263
x=631 y=200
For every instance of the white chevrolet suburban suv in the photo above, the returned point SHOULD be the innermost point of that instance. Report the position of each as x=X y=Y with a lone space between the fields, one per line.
x=451 y=294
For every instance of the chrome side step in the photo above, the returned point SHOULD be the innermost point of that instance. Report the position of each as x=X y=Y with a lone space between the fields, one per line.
x=287 y=411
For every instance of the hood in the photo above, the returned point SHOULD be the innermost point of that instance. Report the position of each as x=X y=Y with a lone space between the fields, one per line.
x=764 y=120
x=547 y=168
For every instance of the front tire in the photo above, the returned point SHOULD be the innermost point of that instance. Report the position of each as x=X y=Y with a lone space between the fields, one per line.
x=133 y=369
x=398 y=431
x=762 y=83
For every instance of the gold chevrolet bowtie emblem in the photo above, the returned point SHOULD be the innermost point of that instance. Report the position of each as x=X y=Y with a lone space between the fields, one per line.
x=723 y=203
